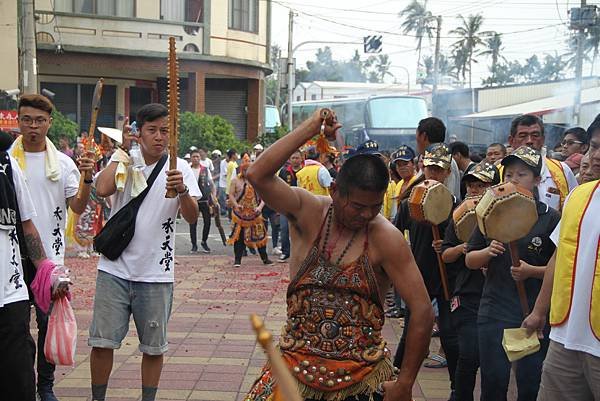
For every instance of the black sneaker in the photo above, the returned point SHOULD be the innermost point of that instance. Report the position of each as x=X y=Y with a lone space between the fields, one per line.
x=283 y=258
x=194 y=249
x=252 y=251
x=47 y=395
x=237 y=264
x=205 y=247
x=267 y=261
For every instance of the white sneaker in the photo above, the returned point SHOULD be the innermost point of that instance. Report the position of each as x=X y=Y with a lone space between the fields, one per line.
x=276 y=251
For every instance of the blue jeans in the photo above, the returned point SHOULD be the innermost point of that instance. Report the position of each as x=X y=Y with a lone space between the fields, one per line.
x=495 y=367
x=222 y=197
x=117 y=299
x=284 y=235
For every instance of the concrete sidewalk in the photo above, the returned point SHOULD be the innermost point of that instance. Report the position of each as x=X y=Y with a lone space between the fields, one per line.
x=213 y=355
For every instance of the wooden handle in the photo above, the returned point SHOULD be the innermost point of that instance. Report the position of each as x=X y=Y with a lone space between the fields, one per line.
x=441 y=265
x=96 y=98
x=516 y=261
x=173 y=103
x=286 y=384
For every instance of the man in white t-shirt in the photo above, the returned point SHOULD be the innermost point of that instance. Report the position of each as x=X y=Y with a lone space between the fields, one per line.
x=205 y=161
x=17 y=347
x=571 y=292
x=140 y=281
x=53 y=181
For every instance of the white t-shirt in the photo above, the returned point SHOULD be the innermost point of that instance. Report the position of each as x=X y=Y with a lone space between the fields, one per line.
x=223 y=174
x=50 y=200
x=208 y=164
x=150 y=255
x=576 y=333
x=549 y=198
x=11 y=279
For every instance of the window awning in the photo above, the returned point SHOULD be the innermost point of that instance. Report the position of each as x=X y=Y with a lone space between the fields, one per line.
x=538 y=107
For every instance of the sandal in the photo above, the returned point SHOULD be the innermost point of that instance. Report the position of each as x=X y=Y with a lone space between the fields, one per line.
x=437 y=362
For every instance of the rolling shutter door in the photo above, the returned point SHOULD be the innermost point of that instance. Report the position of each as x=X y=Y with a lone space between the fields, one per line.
x=228 y=98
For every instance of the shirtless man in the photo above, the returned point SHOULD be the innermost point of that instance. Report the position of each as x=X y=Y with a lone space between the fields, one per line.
x=339 y=348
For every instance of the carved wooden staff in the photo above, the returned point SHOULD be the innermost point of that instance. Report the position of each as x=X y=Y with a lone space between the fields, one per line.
x=90 y=144
x=173 y=105
x=286 y=389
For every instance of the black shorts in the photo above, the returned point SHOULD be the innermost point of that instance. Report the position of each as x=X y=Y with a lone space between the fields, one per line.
x=17 y=353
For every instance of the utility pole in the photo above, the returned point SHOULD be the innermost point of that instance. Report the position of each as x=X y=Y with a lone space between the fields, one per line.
x=28 y=49
x=290 y=71
x=278 y=93
x=579 y=70
x=436 y=65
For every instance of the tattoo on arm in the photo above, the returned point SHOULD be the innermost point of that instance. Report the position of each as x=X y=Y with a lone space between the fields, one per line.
x=34 y=246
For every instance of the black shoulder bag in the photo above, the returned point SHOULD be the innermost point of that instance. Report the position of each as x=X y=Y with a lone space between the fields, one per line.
x=118 y=231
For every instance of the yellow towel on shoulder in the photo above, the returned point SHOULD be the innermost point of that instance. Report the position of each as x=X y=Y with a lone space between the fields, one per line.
x=52 y=165
x=518 y=345
x=139 y=181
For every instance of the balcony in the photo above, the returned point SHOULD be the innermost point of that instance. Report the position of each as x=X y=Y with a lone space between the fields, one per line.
x=117 y=35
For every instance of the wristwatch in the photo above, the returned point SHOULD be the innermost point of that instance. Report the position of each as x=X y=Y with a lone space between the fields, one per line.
x=185 y=191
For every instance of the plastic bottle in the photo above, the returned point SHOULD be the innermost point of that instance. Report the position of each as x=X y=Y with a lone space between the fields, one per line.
x=135 y=152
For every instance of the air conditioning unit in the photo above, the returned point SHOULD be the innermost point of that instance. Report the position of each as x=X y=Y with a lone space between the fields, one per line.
x=583 y=17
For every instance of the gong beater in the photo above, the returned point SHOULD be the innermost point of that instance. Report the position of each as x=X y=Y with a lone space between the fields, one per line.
x=465 y=219
x=507 y=213
x=431 y=202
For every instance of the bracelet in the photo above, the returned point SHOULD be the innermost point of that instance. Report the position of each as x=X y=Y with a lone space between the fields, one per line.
x=185 y=192
x=88 y=181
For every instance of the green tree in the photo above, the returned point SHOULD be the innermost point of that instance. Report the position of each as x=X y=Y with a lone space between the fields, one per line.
x=377 y=67
x=592 y=43
x=211 y=132
x=532 y=69
x=470 y=39
x=494 y=47
x=553 y=68
x=419 y=22
x=444 y=64
x=460 y=63
x=272 y=81
x=62 y=126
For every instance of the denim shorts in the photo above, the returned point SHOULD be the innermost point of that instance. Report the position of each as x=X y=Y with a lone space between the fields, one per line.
x=116 y=299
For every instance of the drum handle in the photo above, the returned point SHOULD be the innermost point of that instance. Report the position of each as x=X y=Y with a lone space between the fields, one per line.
x=516 y=261
x=444 y=277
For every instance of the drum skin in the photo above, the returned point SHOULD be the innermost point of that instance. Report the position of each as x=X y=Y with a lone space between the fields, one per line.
x=465 y=219
x=506 y=213
x=430 y=201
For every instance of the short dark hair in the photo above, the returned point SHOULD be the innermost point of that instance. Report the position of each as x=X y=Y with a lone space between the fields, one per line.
x=195 y=151
x=459 y=147
x=526 y=120
x=36 y=101
x=434 y=128
x=594 y=126
x=497 y=144
x=579 y=133
x=150 y=112
x=230 y=153
x=366 y=172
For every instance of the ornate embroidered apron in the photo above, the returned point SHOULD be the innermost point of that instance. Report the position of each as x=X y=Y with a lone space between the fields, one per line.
x=332 y=339
x=248 y=221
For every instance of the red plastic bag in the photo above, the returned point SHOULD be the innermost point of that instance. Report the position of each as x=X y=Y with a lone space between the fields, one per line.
x=61 y=337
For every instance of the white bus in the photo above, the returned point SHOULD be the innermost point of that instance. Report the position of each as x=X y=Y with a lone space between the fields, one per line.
x=389 y=120
x=272 y=120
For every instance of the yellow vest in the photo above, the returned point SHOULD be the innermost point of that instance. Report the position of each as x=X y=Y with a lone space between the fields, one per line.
x=566 y=259
x=388 y=200
x=560 y=179
x=308 y=178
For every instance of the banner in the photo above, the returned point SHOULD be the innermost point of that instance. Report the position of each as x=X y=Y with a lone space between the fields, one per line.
x=8 y=120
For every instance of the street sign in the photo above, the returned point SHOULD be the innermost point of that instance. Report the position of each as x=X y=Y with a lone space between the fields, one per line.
x=373 y=44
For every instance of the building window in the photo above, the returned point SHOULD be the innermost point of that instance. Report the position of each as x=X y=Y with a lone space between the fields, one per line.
x=182 y=10
x=243 y=15
x=117 y=8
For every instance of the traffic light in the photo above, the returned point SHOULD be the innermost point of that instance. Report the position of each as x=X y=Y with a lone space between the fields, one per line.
x=372 y=44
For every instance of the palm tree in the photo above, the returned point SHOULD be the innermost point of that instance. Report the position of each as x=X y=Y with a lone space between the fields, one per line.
x=418 y=21
x=461 y=63
x=553 y=68
x=470 y=39
x=494 y=47
x=592 y=43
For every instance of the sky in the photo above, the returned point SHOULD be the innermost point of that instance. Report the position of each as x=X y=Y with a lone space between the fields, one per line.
x=528 y=27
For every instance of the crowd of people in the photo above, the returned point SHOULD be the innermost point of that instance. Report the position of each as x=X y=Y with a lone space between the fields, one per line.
x=333 y=215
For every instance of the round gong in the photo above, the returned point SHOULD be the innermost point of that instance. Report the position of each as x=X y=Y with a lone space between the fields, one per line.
x=506 y=212
x=430 y=201
x=465 y=219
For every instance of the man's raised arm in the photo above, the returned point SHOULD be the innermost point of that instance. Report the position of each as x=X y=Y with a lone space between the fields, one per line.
x=262 y=174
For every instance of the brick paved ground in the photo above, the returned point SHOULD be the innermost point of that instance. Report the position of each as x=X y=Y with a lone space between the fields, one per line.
x=212 y=354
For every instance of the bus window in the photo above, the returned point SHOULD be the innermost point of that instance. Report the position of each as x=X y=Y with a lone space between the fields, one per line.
x=272 y=120
x=396 y=112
